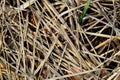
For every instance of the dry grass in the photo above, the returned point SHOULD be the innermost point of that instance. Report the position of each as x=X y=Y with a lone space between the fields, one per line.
x=43 y=40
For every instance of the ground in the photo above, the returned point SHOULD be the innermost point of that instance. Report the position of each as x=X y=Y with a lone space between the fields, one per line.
x=43 y=40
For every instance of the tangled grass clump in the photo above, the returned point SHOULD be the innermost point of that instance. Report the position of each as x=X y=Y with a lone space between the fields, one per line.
x=43 y=40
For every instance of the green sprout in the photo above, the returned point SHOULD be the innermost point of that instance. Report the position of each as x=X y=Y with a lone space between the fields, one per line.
x=84 y=11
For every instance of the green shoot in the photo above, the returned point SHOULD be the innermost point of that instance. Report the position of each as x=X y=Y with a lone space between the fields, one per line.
x=84 y=11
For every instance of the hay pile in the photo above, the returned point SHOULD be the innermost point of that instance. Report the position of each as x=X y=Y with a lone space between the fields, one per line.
x=43 y=40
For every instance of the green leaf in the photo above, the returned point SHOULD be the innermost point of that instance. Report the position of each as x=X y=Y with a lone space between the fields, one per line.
x=84 y=11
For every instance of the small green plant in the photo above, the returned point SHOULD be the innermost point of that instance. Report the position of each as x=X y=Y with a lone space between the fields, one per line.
x=84 y=11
